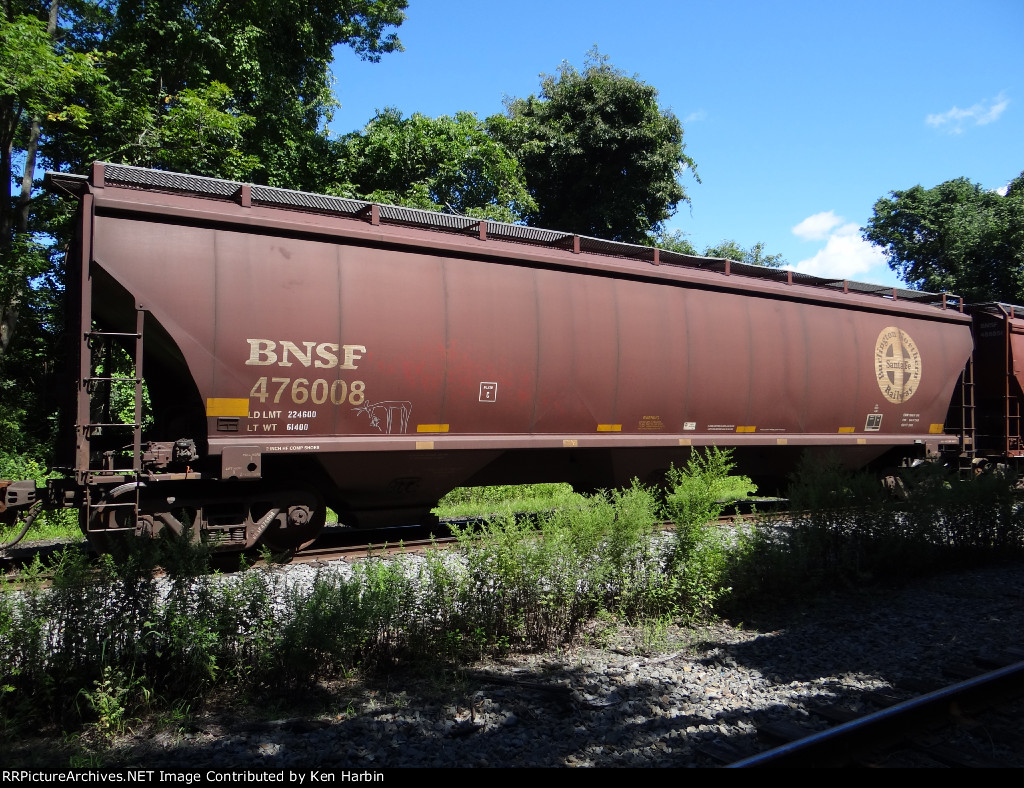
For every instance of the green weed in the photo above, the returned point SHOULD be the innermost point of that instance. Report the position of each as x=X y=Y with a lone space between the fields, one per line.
x=700 y=554
x=112 y=700
x=503 y=500
x=176 y=717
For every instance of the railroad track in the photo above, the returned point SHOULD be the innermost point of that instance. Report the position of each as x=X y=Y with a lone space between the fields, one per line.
x=341 y=543
x=336 y=543
x=921 y=731
x=385 y=543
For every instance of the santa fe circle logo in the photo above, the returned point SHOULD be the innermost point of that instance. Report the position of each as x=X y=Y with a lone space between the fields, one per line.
x=897 y=364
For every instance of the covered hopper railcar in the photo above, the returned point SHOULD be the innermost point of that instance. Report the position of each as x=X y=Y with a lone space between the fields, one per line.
x=989 y=403
x=302 y=351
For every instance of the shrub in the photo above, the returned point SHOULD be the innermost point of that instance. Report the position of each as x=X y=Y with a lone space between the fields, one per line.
x=844 y=530
x=696 y=497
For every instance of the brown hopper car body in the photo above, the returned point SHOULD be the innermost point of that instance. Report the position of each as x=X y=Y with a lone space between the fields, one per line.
x=301 y=350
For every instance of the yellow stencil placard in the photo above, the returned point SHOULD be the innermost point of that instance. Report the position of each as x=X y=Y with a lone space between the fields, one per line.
x=846 y=429
x=609 y=428
x=431 y=428
x=685 y=441
x=746 y=429
x=424 y=444
x=936 y=429
x=570 y=443
x=219 y=406
x=862 y=441
x=782 y=441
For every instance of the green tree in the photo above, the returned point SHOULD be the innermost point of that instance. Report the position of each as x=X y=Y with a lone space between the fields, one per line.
x=175 y=85
x=676 y=241
x=601 y=157
x=753 y=256
x=39 y=80
x=955 y=237
x=42 y=82
x=673 y=240
x=444 y=163
x=191 y=77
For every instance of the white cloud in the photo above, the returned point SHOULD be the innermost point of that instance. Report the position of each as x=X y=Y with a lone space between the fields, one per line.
x=981 y=114
x=696 y=116
x=818 y=226
x=846 y=255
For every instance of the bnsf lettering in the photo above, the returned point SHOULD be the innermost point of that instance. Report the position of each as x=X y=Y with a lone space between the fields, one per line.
x=325 y=355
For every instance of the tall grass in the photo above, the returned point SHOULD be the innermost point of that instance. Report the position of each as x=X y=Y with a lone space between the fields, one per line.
x=102 y=643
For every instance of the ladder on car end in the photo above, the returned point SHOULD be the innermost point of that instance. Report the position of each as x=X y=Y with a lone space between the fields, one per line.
x=88 y=469
x=968 y=429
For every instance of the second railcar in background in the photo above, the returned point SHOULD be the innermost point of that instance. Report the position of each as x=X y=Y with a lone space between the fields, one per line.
x=987 y=405
x=302 y=351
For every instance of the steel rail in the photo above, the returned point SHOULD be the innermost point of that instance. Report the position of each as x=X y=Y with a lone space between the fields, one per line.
x=839 y=745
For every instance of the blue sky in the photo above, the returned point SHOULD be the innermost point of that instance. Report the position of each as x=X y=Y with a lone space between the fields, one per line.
x=798 y=114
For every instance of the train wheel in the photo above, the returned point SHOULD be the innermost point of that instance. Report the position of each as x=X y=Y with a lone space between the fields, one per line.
x=110 y=525
x=302 y=521
x=894 y=485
